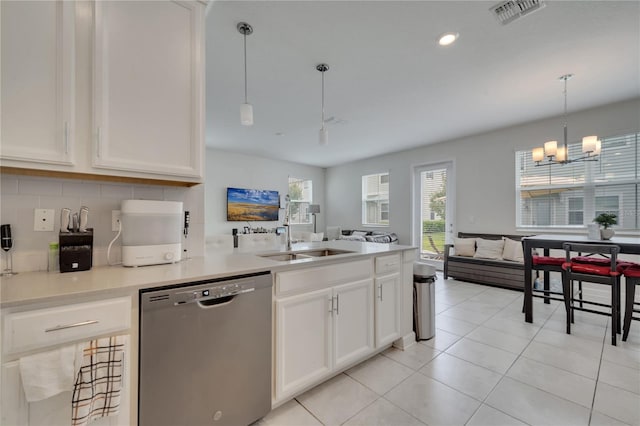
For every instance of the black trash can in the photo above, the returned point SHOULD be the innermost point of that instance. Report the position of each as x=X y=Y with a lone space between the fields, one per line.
x=424 y=300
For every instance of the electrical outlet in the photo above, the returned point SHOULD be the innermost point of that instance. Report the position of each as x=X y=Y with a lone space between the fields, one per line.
x=43 y=220
x=115 y=219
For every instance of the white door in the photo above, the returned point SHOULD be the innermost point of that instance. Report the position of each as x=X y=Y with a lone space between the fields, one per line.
x=434 y=212
x=388 y=301
x=353 y=321
x=37 y=81
x=303 y=340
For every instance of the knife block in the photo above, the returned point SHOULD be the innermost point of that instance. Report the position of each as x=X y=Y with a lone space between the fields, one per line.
x=76 y=251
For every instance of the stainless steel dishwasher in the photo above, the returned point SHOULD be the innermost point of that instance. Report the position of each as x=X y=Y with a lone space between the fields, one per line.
x=205 y=352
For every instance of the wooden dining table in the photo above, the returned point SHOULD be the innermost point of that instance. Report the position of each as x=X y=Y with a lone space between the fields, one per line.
x=628 y=245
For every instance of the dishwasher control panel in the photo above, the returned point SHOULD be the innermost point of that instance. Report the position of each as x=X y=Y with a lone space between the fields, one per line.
x=215 y=292
x=200 y=292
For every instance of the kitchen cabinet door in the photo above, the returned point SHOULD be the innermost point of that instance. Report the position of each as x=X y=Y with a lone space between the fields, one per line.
x=148 y=87
x=388 y=308
x=303 y=340
x=353 y=321
x=37 y=82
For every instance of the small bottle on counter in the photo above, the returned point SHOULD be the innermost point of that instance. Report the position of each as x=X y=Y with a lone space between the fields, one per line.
x=54 y=263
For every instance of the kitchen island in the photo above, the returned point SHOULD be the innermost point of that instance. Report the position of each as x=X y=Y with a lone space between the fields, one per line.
x=375 y=278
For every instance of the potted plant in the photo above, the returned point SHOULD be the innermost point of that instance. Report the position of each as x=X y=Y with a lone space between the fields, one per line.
x=606 y=220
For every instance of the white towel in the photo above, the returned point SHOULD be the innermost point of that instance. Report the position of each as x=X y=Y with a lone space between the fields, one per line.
x=48 y=373
x=98 y=385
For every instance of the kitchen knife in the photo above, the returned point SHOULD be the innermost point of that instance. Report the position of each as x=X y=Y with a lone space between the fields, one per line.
x=74 y=219
x=84 y=217
x=64 y=220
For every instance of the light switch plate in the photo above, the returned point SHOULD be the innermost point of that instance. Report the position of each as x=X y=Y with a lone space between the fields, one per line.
x=43 y=219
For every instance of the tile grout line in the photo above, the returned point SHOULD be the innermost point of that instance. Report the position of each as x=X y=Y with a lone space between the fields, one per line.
x=308 y=411
x=595 y=388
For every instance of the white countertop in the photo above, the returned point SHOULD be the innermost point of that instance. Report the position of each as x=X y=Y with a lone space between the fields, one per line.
x=112 y=281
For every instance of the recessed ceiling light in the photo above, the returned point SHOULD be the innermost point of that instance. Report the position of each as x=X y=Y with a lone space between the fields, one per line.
x=447 y=39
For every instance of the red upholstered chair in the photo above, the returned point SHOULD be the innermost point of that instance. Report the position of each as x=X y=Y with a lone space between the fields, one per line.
x=602 y=269
x=632 y=279
x=547 y=264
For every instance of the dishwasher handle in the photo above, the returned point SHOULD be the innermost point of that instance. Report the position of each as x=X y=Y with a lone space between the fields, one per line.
x=216 y=299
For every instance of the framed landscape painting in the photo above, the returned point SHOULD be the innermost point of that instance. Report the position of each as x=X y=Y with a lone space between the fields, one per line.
x=252 y=205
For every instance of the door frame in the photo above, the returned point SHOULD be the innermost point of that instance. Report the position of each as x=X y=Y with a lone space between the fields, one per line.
x=450 y=223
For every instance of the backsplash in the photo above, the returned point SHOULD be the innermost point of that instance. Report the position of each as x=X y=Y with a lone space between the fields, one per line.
x=20 y=195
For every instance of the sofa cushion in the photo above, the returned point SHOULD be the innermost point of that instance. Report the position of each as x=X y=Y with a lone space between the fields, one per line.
x=489 y=249
x=512 y=250
x=464 y=246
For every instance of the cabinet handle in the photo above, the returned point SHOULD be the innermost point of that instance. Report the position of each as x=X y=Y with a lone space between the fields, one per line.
x=331 y=308
x=77 y=324
x=66 y=137
x=98 y=142
x=337 y=304
x=380 y=289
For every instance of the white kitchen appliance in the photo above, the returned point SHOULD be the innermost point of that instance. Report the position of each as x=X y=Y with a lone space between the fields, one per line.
x=151 y=232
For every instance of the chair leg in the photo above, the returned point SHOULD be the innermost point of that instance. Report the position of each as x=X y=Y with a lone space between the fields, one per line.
x=629 y=295
x=580 y=292
x=566 y=288
x=619 y=304
x=547 y=280
x=614 y=312
x=571 y=300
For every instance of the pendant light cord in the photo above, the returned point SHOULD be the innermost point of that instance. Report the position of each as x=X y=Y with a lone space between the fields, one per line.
x=323 y=99
x=566 y=147
x=245 y=67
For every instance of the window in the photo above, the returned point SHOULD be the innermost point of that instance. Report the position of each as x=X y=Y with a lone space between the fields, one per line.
x=576 y=211
x=572 y=195
x=375 y=199
x=301 y=193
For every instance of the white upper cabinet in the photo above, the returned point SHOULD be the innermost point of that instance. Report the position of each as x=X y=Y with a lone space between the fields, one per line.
x=148 y=87
x=37 y=113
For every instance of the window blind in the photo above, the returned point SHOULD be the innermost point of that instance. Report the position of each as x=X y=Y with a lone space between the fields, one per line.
x=574 y=194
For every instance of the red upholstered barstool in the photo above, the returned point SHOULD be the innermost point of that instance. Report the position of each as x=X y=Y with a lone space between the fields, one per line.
x=601 y=271
x=632 y=279
x=547 y=264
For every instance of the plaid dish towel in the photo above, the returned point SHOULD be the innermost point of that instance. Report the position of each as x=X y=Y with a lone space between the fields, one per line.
x=98 y=385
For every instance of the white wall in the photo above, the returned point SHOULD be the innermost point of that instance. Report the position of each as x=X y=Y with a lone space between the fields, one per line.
x=484 y=171
x=226 y=169
x=22 y=194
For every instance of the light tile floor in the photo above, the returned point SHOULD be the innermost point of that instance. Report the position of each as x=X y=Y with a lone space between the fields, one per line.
x=486 y=366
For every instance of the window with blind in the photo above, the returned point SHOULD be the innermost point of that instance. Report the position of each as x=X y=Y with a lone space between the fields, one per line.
x=301 y=196
x=375 y=199
x=573 y=194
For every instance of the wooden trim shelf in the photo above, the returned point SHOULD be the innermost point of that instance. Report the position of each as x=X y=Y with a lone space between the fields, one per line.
x=94 y=177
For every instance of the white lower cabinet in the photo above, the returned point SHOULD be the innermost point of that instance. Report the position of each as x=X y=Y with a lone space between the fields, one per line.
x=304 y=340
x=30 y=331
x=388 y=308
x=352 y=322
x=328 y=318
x=321 y=331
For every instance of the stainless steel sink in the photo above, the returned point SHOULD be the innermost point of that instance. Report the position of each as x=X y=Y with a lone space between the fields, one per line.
x=285 y=257
x=325 y=252
x=303 y=254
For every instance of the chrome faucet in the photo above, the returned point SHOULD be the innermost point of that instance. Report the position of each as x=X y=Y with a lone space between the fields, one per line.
x=287 y=220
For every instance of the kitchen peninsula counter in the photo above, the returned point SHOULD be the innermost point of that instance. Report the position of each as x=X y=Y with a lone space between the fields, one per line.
x=112 y=281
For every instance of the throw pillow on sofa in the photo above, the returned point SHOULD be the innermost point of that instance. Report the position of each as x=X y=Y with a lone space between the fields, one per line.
x=513 y=250
x=489 y=249
x=464 y=246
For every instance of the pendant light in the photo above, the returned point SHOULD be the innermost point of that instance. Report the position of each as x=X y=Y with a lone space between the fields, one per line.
x=555 y=154
x=246 y=109
x=323 y=135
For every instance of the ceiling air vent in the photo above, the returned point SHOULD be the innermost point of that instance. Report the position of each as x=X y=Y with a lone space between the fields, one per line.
x=510 y=10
